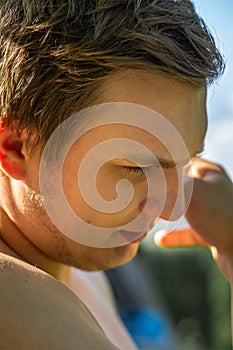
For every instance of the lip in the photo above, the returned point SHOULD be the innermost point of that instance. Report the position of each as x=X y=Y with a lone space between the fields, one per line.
x=140 y=238
x=132 y=237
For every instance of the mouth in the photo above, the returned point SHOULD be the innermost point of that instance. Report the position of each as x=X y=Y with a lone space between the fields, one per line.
x=132 y=237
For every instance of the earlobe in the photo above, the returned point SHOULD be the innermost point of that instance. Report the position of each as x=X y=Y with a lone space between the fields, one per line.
x=12 y=160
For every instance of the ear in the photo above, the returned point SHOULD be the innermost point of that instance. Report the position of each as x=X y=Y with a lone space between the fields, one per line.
x=12 y=159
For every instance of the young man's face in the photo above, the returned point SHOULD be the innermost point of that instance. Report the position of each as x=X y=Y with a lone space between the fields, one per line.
x=180 y=104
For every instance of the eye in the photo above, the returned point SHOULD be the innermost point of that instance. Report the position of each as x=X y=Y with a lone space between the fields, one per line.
x=133 y=169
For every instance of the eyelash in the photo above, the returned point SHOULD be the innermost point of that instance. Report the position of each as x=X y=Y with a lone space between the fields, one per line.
x=138 y=170
x=132 y=169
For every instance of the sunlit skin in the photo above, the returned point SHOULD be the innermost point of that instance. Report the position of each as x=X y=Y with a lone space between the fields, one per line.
x=214 y=227
x=39 y=241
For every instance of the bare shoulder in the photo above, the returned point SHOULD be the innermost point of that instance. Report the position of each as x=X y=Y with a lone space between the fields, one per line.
x=38 y=311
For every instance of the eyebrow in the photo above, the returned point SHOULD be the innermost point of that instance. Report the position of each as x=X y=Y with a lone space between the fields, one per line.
x=164 y=163
x=169 y=164
x=144 y=161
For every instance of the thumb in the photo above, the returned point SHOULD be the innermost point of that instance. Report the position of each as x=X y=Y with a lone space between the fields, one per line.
x=180 y=238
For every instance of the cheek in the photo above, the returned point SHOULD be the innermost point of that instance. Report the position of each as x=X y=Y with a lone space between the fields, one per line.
x=106 y=182
x=122 y=192
x=108 y=201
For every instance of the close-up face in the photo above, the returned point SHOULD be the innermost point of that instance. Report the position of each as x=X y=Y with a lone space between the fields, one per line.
x=183 y=108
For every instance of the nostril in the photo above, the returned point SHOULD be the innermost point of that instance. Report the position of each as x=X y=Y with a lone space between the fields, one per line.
x=150 y=207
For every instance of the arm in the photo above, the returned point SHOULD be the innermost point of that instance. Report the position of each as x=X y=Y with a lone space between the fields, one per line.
x=210 y=215
x=38 y=312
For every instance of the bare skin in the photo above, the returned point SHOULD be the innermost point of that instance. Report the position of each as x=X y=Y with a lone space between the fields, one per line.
x=210 y=215
x=20 y=174
x=40 y=312
x=29 y=236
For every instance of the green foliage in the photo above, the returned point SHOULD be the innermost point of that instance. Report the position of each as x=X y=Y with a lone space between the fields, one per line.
x=196 y=294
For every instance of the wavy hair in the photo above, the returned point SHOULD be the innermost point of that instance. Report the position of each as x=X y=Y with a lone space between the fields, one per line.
x=55 y=53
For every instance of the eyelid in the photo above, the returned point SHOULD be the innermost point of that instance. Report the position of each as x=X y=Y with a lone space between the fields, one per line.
x=128 y=163
x=133 y=169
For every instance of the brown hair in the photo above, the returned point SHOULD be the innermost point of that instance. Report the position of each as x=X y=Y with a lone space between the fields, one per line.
x=54 y=53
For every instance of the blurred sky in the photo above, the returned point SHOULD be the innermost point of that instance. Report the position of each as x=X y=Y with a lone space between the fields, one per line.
x=218 y=14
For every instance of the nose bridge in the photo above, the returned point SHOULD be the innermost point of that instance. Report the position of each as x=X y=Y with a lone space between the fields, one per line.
x=175 y=197
x=168 y=202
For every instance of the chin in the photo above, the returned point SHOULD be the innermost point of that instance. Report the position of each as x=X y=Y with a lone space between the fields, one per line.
x=108 y=258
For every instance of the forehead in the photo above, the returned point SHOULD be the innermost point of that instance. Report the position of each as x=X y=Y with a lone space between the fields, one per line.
x=166 y=95
x=183 y=105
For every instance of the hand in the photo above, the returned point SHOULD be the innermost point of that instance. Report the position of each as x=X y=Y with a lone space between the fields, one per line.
x=210 y=215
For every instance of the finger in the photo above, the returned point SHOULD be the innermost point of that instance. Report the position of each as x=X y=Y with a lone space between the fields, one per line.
x=204 y=169
x=180 y=238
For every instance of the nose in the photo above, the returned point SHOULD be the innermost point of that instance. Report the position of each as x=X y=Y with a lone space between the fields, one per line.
x=174 y=205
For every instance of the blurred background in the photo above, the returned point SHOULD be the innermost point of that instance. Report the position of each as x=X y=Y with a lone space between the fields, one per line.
x=219 y=140
x=177 y=298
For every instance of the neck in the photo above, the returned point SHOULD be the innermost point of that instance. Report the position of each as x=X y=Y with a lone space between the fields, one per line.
x=14 y=243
